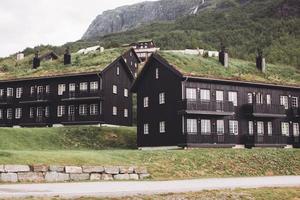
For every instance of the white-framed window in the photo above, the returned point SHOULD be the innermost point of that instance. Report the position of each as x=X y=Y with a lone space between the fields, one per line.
x=19 y=92
x=296 y=129
x=40 y=89
x=191 y=126
x=259 y=98
x=146 y=102
x=125 y=113
x=32 y=90
x=269 y=99
x=60 y=111
x=220 y=127
x=260 y=128
x=284 y=101
x=10 y=92
x=115 y=89
x=72 y=87
x=83 y=109
x=61 y=89
x=9 y=113
x=39 y=112
x=250 y=98
x=47 y=111
x=219 y=95
x=146 y=129
x=118 y=71
x=233 y=127
x=47 y=89
x=1 y=92
x=162 y=99
x=156 y=73
x=295 y=102
x=191 y=93
x=205 y=127
x=83 y=86
x=232 y=97
x=18 y=113
x=94 y=85
x=125 y=92
x=162 y=127
x=94 y=109
x=115 y=111
x=31 y=112
x=285 y=128
x=205 y=95
x=250 y=127
x=270 y=128
x=1 y=113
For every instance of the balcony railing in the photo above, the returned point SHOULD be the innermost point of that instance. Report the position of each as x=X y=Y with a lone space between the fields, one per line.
x=91 y=94
x=6 y=100
x=207 y=107
x=263 y=110
x=295 y=112
x=267 y=139
x=36 y=97
x=211 y=138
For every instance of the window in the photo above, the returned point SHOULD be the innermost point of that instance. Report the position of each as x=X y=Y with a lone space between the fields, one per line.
x=269 y=99
x=284 y=101
x=191 y=93
x=125 y=92
x=32 y=90
x=10 y=92
x=39 y=89
x=285 y=128
x=83 y=86
x=219 y=96
x=250 y=98
x=156 y=73
x=125 y=113
x=118 y=71
x=296 y=129
x=31 y=112
x=72 y=87
x=94 y=86
x=233 y=127
x=162 y=98
x=146 y=129
x=1 y=92
x=260 y=128
x=146 y=102
x=9 y=113
x=47 y=111
x=270 y=128
x=205 y=95
x=1 y=113
x=19 y=92
x=83 y=109
x=295 y=102
x=205 y=127
x=250 y=127
x=18 y=113
x=115 y=89
x=220 y=127
x=94 y=109
x=162 y=127
x=115 y=110
x=61 y=89
x=232 y=97
x=39 y=112
x=191 y=127
x=259 y=98
x=60 y=111
x=47 y=89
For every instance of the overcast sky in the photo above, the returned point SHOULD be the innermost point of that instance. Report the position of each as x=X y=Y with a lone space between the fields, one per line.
x=28 y=23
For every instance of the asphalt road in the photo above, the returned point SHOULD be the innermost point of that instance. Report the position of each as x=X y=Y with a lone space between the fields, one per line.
x=116 y=189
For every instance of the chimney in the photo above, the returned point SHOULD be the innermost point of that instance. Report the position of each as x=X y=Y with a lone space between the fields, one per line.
x=260 y=61
x=36 y=60
x=223 y=56
x=67 y=57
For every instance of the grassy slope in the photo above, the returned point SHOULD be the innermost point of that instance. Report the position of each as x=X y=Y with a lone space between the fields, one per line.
x=238 y=69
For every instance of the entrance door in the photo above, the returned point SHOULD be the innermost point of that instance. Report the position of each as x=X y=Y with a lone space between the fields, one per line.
x=39 y=114
x=71 y=113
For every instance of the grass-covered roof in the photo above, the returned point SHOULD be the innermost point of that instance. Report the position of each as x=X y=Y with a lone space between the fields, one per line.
x=239 y=70
x=10 y=68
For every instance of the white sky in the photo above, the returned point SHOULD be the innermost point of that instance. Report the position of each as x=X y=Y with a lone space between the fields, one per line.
x=27 y=23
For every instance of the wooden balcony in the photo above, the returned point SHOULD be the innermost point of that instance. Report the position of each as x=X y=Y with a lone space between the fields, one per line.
x=82 y=95
x=266 y=140
x=36 y=98
x=81 y=119
x=217 y=108
x=268 y=111
x=4 y=100
x=295 y=112
x=210 y=139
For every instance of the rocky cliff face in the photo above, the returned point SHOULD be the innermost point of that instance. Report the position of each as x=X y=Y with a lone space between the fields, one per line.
x=128 y=17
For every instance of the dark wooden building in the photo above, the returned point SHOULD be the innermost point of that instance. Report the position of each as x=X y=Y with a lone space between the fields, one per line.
x=144 y=49
x=95 y=97
x=176 y=108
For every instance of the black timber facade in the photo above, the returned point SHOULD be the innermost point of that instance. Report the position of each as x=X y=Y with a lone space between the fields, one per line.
x=101 y=97
x=179 y=110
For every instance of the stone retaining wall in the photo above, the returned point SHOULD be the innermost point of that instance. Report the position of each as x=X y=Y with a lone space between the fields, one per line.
x=55 y=173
